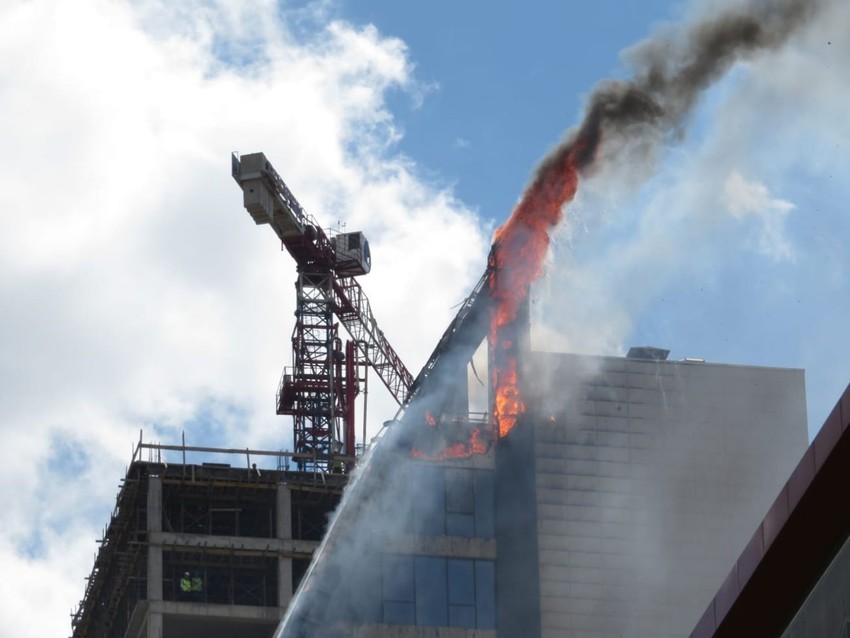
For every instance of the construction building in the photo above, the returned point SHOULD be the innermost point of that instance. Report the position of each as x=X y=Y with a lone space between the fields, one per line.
x=212 y=549
x=215 y=550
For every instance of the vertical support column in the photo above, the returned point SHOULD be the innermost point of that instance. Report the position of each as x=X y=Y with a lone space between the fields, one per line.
x=284 y=532
x=154 y=554
x=154 y=625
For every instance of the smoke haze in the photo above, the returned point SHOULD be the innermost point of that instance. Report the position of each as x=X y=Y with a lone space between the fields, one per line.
x=624 y=128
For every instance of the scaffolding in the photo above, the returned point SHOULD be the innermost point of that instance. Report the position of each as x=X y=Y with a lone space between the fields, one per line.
x=118 y=575
x=215 y=521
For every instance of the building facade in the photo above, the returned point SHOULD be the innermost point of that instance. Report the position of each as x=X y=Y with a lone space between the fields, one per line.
x=612 y=509
x=647 y=477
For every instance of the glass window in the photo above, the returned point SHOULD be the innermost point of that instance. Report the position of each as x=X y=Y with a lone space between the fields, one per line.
x=462 y=616
x=453 y=501
x=460 y=525
x=484 y=510
x=430 y=509
x=364 y=587
x=398 y=590
x=459 y=491
x=435 y=591
x=397 y=613
x=431 y=596
x=461 y=582
x=398 y=578
x=485 y=594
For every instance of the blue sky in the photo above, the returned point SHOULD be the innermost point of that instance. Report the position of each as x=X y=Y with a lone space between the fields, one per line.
x=506 y=82
x=136 y=294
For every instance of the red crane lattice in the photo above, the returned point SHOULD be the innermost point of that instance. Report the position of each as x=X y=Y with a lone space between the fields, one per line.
x=320 y=388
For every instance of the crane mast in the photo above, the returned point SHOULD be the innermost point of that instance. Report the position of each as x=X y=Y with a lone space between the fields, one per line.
x=320 y=388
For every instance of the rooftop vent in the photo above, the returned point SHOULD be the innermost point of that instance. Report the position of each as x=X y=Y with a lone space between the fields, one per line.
x=648 y=352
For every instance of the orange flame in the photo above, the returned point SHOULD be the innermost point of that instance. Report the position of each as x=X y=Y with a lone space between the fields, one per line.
x=508 y=403
x=519 y=247
x=462 y=450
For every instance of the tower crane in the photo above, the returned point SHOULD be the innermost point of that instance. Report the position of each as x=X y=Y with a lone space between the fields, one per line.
x=320 y=388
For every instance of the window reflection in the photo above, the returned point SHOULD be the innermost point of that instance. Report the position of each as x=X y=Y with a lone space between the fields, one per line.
x=431 y=608
x=485 y=594
x=458 y=502
x=398 y=590
x=461 y=582
x=437 y=591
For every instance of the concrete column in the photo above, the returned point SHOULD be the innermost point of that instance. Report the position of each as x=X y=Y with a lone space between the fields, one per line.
x=155 y=504
x=155 y=553
x=284 y=511
x=284 y=581
x=284 y=532
x=154 y=624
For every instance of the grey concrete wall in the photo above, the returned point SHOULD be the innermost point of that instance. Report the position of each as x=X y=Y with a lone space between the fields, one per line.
x=651 y=477
x=826 y=612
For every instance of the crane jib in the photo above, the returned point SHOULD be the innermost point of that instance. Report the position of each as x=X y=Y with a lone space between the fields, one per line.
x=318 y=390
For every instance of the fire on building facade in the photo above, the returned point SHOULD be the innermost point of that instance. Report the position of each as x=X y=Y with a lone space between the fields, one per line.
x=614 y=506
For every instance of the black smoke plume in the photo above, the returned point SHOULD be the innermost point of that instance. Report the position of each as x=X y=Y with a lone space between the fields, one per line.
x=670 y=72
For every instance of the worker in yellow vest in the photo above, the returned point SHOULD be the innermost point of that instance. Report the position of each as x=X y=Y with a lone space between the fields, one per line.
x=197 y=586
x=185 y=585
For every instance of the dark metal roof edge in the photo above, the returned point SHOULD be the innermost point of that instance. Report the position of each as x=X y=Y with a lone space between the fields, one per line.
x=797 y=539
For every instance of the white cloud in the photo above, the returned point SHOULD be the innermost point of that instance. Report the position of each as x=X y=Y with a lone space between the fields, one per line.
x=744 y=198
x=136 y=292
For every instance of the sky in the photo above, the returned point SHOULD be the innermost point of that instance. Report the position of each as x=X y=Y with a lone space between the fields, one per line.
x=137 y=295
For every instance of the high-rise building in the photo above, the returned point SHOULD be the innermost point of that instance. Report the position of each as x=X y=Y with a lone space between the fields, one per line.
x=643 y=480
x=613 y=508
